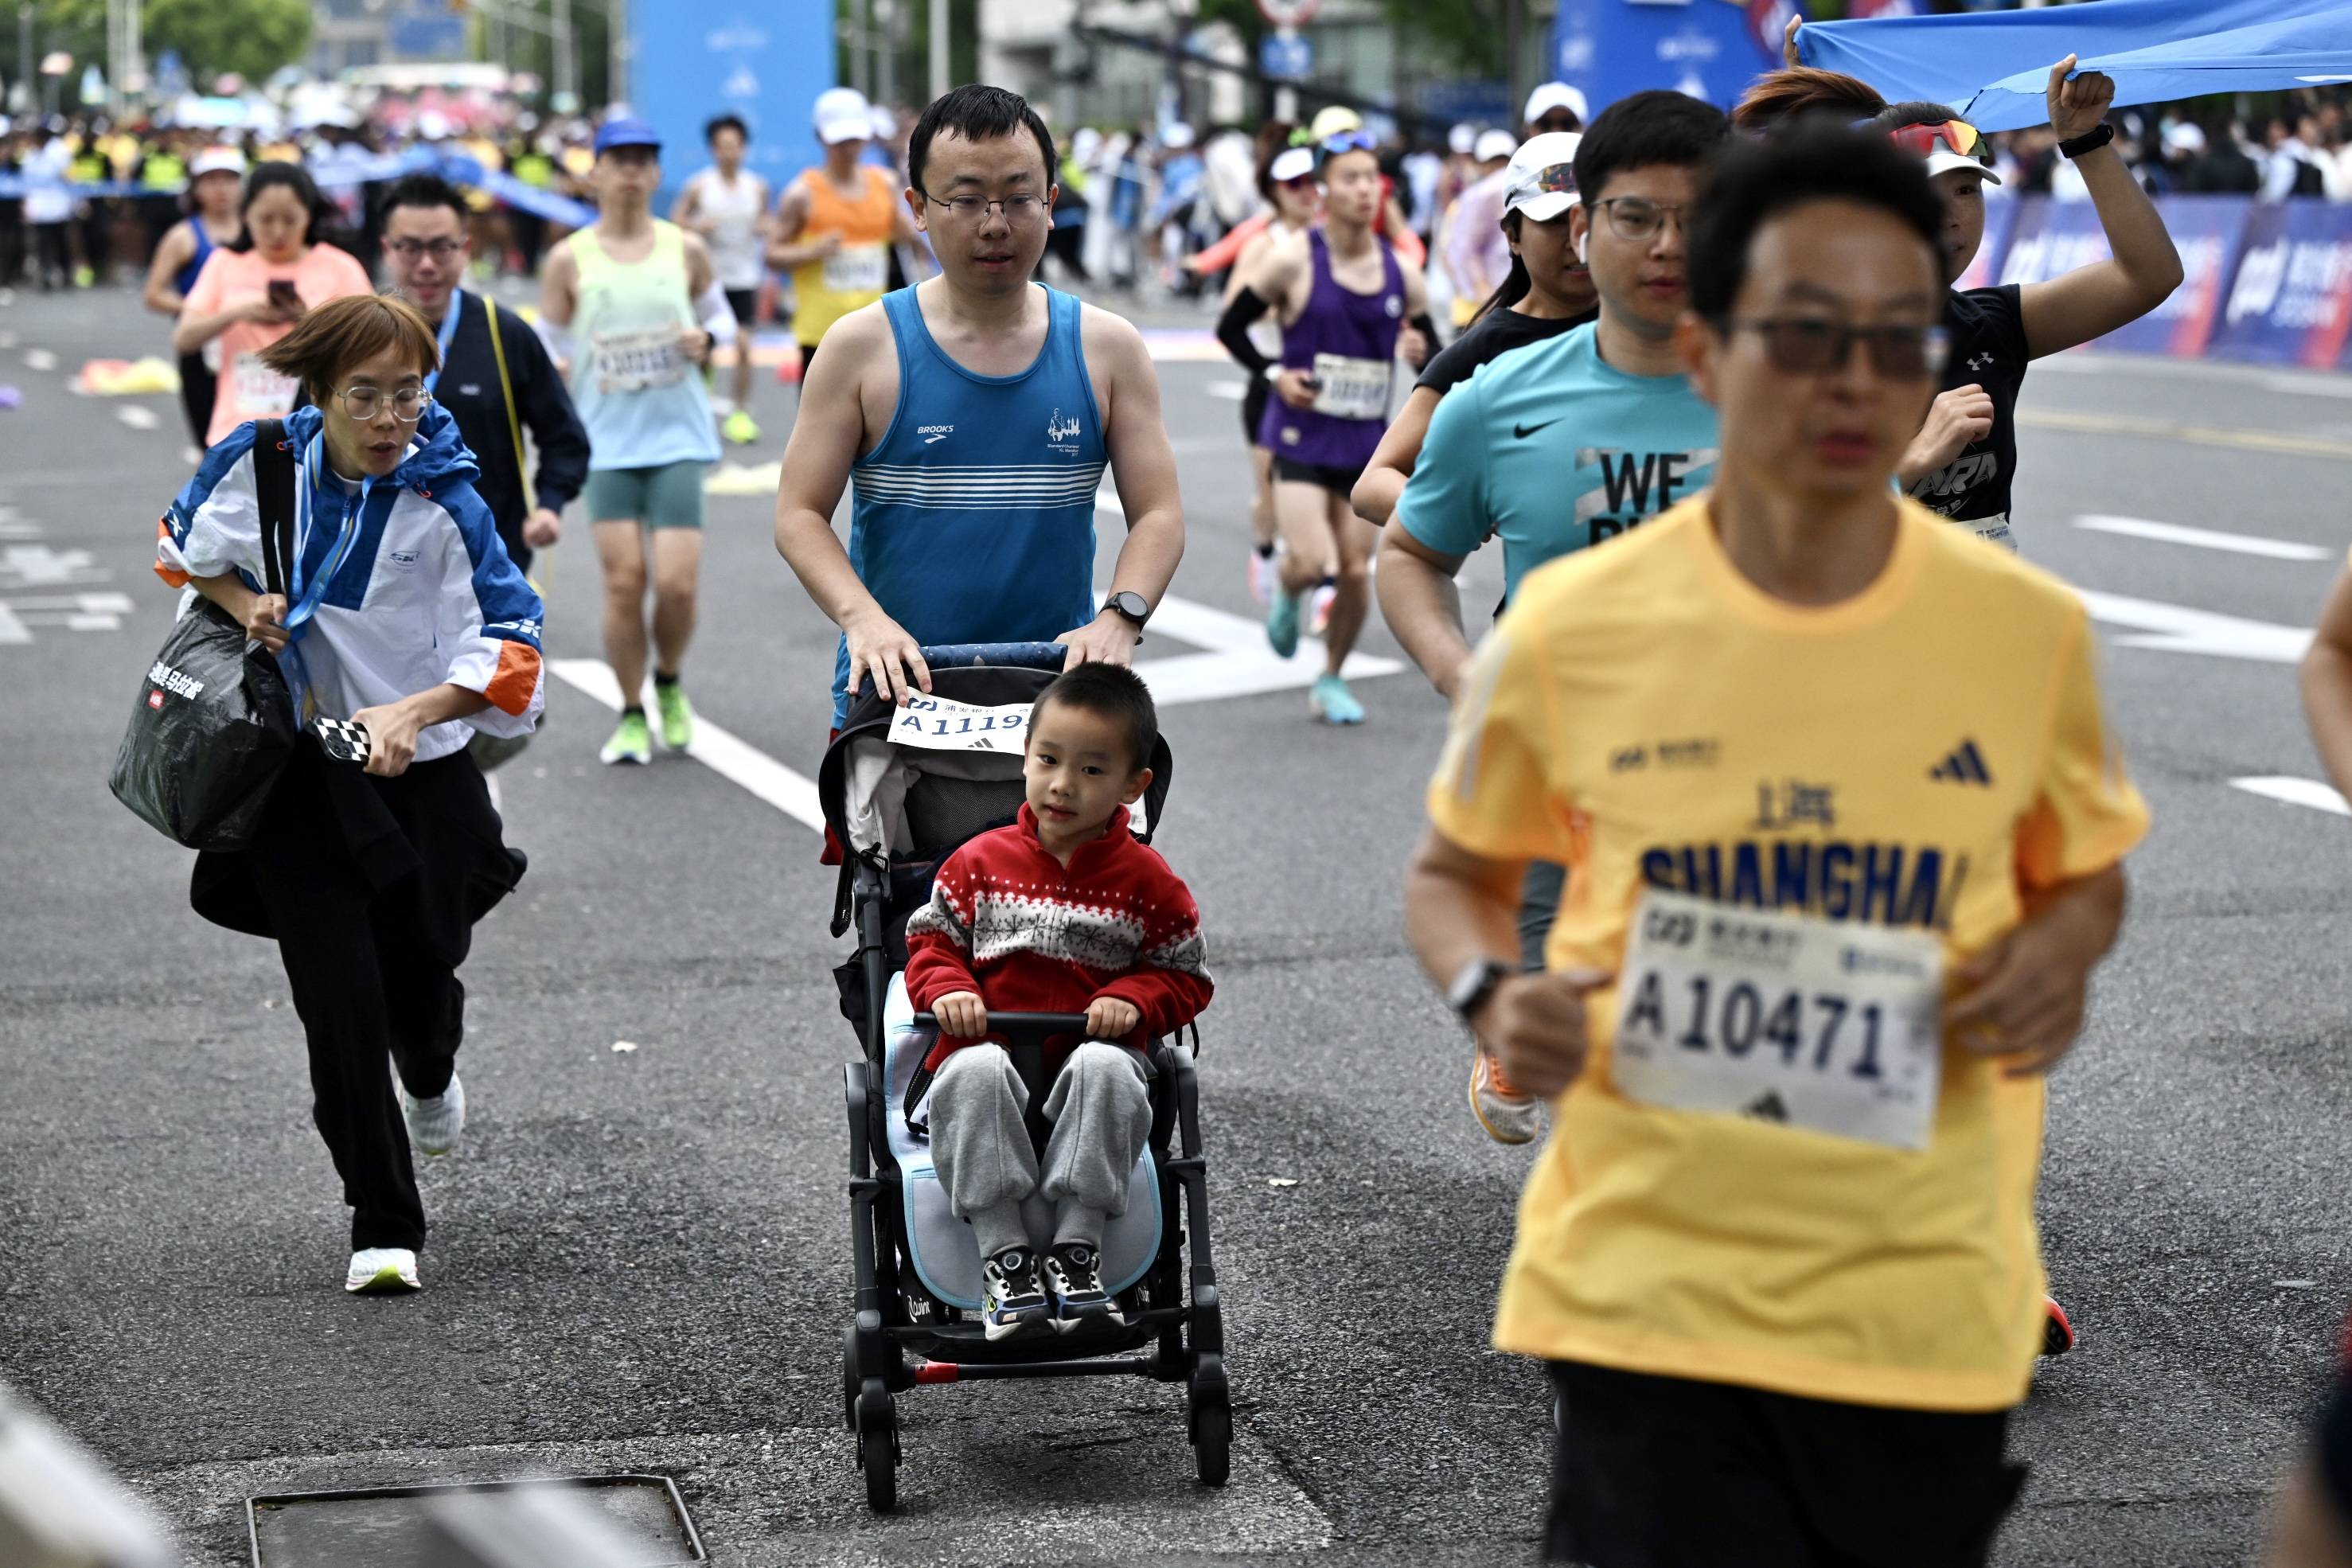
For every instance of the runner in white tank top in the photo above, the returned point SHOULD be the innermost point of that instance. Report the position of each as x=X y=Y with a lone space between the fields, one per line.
x=728 y=207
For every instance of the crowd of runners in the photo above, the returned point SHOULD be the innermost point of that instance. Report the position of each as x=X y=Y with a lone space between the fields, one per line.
x=1771 y=673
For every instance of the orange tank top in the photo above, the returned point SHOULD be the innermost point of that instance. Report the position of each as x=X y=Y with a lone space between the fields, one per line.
x=853 y=276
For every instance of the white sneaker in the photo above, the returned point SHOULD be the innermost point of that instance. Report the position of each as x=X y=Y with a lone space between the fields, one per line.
x=1318 y=616
x=433 y=1125
x=382 y=1271
x=1508 y=1115
x=1265 y=575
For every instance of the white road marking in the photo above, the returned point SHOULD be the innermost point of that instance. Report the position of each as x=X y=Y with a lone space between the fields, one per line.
x=13 y=631
x=137 y=416
x=41 y=359
x=43 y=566
x=74 y=612
x=2203 y=538
x=2175 y=628
x=1231 y=391
x=732 y=758
x=2296 y=792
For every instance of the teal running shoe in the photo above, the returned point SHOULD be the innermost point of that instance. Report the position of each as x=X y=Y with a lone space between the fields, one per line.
x=1282 y=624
x=1334 y=703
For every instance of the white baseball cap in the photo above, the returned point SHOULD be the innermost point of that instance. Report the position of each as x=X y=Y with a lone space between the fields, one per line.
x=2184 y=136
x=1462 y=138
x=843 y=115
x=1494 y=144
x=218 y=161
x=1554 y=95
x=1541 y=179
x=1177 y=137
x=1291 y=163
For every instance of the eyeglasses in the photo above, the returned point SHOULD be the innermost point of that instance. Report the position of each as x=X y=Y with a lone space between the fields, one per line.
x=408 y=404
x=1017 y=210
x=439 y=249
x=1638 y=217
x=1814 y=345
x=1957 y=135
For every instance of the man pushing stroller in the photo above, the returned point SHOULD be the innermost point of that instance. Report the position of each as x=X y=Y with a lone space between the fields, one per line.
x=1062 y=912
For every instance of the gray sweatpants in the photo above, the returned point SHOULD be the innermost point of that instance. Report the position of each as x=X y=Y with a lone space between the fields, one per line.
x=1101 y=1115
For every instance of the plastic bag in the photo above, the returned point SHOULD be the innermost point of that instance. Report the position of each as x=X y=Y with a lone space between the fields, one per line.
x=213 y=724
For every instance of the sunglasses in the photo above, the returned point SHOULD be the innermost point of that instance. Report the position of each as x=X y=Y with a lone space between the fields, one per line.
x=1957 y=135
x=1814 y=345
x=1349 y=142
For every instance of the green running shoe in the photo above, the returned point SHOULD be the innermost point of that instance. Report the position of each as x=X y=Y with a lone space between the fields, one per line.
x=740 y=429
x=631 y=742
x=1282 y=623
x=676 y=716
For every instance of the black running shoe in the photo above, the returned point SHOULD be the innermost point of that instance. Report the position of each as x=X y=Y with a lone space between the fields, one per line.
x=1011 y=1297
x=1074 y=1274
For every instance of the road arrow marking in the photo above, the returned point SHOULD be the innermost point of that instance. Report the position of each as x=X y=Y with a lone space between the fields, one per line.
x=2175 y=628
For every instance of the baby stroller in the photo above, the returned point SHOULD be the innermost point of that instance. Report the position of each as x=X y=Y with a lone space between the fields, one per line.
x=902 y=789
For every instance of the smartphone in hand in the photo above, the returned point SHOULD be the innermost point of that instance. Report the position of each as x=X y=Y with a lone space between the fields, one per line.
x=284 y=296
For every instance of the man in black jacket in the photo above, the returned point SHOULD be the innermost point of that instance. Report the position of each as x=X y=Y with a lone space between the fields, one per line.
x=426 y=250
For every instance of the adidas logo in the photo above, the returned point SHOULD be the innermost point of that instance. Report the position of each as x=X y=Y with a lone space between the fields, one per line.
x=1966 y=766
x=1766 y=1108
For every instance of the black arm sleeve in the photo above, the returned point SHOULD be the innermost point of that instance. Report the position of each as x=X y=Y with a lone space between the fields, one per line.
x=545 y=408
x=1232 y=330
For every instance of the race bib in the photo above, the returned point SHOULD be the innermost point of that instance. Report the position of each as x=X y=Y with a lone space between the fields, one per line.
x=639 y=362
x=1812 y=1023
x=261 y=392
x=943 y=724
x=1351 y=388
x=857 y=269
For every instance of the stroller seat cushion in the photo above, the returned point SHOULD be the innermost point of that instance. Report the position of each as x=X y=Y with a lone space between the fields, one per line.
x=946 y=1253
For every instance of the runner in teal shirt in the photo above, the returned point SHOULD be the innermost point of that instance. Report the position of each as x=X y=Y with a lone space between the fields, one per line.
x=1550 y=449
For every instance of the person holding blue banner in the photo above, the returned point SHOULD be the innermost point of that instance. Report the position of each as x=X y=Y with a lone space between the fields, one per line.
x=1964 y=460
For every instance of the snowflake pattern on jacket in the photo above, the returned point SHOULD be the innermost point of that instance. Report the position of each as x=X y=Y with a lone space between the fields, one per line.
x=1008 y=922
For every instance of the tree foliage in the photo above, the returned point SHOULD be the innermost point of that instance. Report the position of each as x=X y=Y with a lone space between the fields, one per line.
x=251 y=37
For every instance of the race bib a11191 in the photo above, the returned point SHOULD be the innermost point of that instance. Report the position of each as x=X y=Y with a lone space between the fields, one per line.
x=1817 y=1023
x=943 y=724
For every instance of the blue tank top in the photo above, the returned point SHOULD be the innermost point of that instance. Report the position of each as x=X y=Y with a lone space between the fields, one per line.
x=1348 y=340
x=973 y=517
x=186 y=279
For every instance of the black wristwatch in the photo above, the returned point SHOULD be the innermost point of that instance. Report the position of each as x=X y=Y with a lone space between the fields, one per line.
x=1474 y=985
x=2090 y=140
x=1131 y=605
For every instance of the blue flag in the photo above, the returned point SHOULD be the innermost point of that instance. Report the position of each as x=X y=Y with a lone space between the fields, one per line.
x=1993 y=67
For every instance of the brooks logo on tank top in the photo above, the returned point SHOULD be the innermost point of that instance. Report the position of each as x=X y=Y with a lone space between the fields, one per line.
x=1347 y=342
x=639 y=395
x=973 y=517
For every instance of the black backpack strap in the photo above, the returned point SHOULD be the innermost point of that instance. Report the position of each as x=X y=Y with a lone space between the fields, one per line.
x=273 y=482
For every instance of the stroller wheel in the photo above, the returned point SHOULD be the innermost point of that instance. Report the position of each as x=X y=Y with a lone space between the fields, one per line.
x=877 y=1456
x=1208 y=1412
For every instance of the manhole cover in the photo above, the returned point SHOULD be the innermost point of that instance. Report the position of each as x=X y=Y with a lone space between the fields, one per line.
x=391 y=1527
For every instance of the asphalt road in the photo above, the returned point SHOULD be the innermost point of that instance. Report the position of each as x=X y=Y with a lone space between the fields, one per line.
x=640 y=1258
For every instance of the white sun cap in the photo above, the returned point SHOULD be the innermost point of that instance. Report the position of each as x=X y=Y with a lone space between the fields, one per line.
x=843 y=115
x=1541 y=179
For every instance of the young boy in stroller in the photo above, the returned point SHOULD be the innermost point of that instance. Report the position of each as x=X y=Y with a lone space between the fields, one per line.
x=1062 y=912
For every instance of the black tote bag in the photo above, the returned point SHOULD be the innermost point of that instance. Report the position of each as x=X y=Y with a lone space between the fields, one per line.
x=215 y=721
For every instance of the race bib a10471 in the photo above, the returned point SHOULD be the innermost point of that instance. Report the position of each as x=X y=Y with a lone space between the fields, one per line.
x=1820 y=1024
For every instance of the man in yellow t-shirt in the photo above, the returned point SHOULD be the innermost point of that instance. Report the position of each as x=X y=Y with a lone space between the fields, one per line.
x=1844 y=826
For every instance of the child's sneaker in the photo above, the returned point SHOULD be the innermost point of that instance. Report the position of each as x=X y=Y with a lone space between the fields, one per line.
x=1508 y=1115
x=1074 y=1274
x=1010 y=1298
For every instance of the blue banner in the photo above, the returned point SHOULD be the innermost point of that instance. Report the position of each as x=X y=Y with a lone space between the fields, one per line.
x=1994 y=67
x=2053 y=239
x=1609 y=49
x=2291 y=302
x=766 y=63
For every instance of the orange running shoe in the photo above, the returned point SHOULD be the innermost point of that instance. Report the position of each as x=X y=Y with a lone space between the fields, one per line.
x=1508 y=1115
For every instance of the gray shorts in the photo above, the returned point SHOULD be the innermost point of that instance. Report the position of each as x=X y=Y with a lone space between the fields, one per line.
x=666 y=496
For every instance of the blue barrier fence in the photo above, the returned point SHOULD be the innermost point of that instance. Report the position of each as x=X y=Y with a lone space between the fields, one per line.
x=460 y=168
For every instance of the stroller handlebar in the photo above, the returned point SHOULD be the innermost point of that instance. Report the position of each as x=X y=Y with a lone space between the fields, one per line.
x=1019 y=654
x=1032 y=1024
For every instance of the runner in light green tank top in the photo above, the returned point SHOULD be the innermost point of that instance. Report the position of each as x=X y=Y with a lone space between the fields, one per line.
x=637 y=309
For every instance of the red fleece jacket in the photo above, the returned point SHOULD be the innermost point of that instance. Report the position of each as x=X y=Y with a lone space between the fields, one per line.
x=1009 y=924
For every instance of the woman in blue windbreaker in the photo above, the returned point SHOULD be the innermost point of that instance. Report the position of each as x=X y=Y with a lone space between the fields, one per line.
x=408 y=618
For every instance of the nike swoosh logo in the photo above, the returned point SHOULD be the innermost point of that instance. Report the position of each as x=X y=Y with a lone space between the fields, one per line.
x=1524 y=431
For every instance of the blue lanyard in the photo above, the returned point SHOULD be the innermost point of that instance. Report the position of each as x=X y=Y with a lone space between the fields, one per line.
x=447 y=335
x=310 y=595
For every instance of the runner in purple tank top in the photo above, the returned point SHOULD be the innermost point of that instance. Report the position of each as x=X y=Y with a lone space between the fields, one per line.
x=1344 y=298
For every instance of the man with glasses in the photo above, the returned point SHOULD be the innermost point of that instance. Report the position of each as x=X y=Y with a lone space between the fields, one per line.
x=1847 y=828
x=836 y=224
x=496 y=389
x=1564 y=444
x=975 y=414
x=638 y=307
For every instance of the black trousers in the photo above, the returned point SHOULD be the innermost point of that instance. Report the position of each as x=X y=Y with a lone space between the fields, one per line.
x=52 y=259
x=372 y=965
x=1666 y=1472
x=198 y=388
